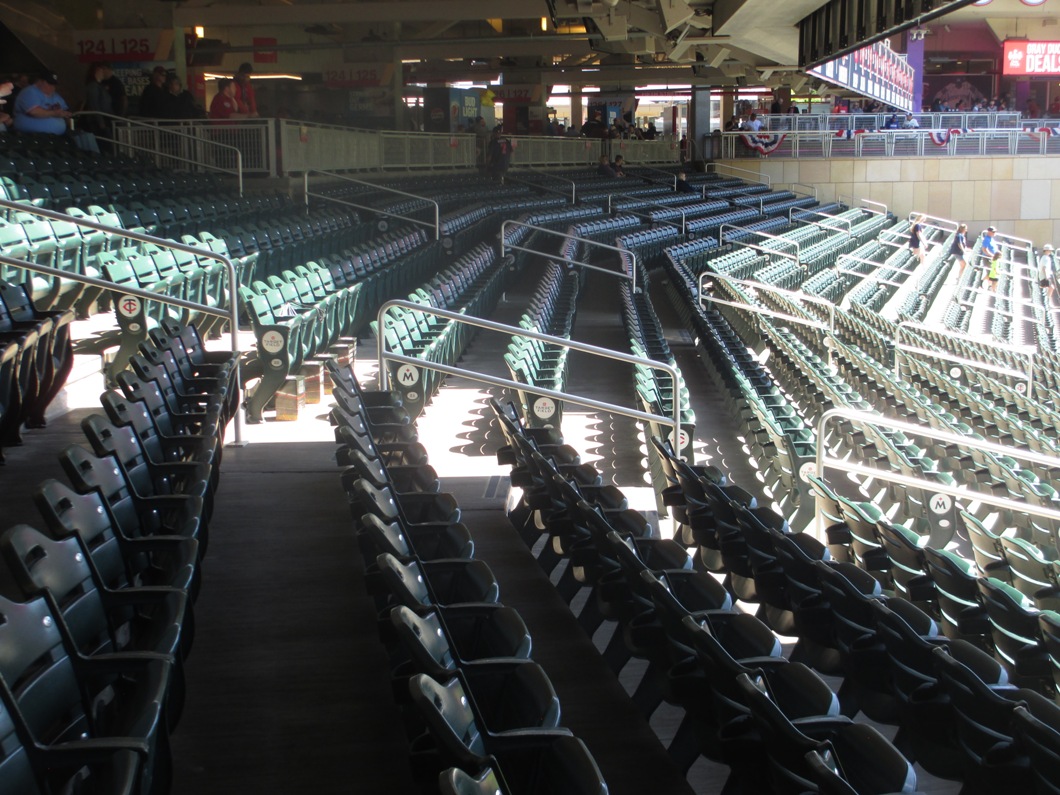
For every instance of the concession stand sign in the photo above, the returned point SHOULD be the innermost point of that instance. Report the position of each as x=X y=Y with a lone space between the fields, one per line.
x=1032 y=58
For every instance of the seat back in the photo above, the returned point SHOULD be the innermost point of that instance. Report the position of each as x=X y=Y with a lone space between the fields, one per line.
x=425 y=639
x=67 y=512
x=450 y=719
x=35 y=667
x=61 y=568
x=406 y=582
x=16 y=769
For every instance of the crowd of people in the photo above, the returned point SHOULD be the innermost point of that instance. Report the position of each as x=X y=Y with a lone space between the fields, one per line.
x=990 y=256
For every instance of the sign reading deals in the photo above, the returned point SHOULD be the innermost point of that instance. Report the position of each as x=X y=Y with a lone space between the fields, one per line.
x=1032 y=58
x=875 y=71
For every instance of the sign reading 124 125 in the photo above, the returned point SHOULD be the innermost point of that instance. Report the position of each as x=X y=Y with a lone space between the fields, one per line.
x=120 y=45
x=137 y=47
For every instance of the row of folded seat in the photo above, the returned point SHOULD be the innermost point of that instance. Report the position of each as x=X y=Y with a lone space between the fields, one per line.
x=781 y=440
x=774 y=722
x=472 y=285
x=961 y=713
x=96 y=610
x=36 y=356
x=655 y=389
x=305 y=312
x=482 y=715
x=535 y=363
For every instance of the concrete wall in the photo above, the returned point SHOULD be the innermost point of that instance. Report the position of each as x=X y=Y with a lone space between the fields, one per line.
x=1018 y=195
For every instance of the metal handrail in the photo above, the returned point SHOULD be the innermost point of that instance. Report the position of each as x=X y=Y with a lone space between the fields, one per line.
x=683 y=226
x=669 y=176
x=851 y=203
x=864 y=418
x=573 y=184
x=796 y=256
x=437 y=210
x=505 y=245
x=975 y=364
x=912 y=325
x=847 y=221
x=232 y=315
x=812 y=188
x=873 y=276
x=156 y=128
x=953 y=224
x=478 y=322
x=766 y=312
x=763 y=179
x=881 y=265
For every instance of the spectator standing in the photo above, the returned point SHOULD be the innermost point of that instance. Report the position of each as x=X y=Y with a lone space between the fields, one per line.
x=1047 y=272
x=153 y=99
x=5 y=118
x=224 y=105
x=40 y=109
x=959 y=249
x=97 y=98
x=119 y=101
x=754 y=124
x=499 y=155
x=988 y=247
x=595 y=127
x=244 y=92
x=916 y=239
x=994 y=273
x=180 y=104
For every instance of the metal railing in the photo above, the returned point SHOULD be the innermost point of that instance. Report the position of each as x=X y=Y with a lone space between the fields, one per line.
x=573 y=184
x=171 y=145
x=974 y=364
x=895 y=143
x=849 y=224
x=868 y=419
x=231 y=313
x=855 y=202
x=835 y=122
x=310 y=146
x=207 y=143
x=795 y=295
x=647 y=216
x=505 y=246
x=796 y=256
x=752 y=176
x=517 y=331
x=437 y=209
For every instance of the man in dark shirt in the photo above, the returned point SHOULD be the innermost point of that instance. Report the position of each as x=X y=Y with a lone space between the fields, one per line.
x=153 y=99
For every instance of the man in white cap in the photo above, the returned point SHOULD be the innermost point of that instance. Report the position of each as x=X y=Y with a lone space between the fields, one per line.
x=1047 y=272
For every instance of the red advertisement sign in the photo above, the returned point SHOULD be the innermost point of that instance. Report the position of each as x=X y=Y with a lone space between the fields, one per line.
x=1031 y=58
x=264 y=49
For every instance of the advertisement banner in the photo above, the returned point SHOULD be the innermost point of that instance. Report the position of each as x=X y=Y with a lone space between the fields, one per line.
x=876 y=72
x=1040 y=58
x=359 y=75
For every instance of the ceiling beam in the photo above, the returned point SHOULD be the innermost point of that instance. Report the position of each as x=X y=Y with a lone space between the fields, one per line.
x=246 y=15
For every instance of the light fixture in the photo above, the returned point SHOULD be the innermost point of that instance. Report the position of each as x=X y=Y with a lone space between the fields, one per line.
x=544 y=23
x=200 y=32
x=215 y=76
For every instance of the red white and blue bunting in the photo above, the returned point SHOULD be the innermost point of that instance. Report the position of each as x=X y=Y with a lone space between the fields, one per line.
x=1043 y=131
x=763 y=144
x=942 y=137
